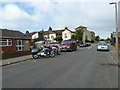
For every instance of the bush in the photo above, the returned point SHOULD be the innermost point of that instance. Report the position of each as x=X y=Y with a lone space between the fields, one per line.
x=87 y=41
x=92 y=41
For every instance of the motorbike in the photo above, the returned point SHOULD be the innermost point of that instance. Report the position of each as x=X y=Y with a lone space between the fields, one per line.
x=56 y=49
x=45 y=52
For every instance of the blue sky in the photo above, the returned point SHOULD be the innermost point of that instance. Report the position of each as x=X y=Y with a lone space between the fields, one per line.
x=35 y=16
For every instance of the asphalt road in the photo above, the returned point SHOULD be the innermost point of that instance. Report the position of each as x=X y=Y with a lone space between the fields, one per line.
x=84 y=68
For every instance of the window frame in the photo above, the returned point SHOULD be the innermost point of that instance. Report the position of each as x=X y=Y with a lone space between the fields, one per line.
x=20 y=45
x=7 y=41
x=65 y=35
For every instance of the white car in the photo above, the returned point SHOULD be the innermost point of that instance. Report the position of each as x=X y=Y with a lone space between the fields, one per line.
x=102 y=46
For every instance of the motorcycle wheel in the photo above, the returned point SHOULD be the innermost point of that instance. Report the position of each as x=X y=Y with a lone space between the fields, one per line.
x=35 y=56
x=52 y=54
x=58 y=52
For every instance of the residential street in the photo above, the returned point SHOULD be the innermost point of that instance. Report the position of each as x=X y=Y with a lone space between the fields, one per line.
x=84 y=68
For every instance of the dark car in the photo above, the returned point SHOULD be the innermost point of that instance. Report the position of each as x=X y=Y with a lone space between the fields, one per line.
x=88 y=44
x=82 y=44
x=68 y=45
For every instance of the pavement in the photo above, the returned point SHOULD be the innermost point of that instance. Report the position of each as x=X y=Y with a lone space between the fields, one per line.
x=113 y=53
x=16 y=60
x=84 y=68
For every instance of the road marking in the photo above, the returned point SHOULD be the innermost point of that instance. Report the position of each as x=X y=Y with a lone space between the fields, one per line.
x=113 y=58
x=89 y=47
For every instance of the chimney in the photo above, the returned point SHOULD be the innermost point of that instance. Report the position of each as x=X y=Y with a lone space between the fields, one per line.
x=27 y=32
x=50 y=29
x=66 y=28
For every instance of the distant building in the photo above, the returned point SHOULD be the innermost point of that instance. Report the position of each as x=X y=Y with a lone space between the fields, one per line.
x=48 y=35
x=87 y=35
x=67 y=34
x=113 y=38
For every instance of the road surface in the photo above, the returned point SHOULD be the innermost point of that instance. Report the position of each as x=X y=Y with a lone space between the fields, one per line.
x=84 y=68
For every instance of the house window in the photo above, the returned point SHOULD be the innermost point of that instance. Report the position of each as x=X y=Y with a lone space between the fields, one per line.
x=34 y=37
x=65 y=35
x=19 y=45
x=52 y=36
x=5 y=42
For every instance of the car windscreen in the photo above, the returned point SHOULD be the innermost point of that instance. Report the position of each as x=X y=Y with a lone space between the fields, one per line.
x=66 y=42
x=102 y=44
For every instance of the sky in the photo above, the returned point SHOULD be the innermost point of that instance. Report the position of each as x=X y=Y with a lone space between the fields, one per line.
x=36 y=15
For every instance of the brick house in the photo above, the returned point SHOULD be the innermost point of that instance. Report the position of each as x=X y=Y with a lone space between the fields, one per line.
x=13 y=43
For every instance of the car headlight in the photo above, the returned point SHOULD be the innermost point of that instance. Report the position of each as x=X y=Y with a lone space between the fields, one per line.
x=68 y=46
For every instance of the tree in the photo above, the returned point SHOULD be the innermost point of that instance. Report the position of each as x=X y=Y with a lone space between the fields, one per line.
x=102 y=39
x=87 y=41
x=74 y=37
x=97 y=38
x=79 y=34
x=108 y=39
x=58 y=38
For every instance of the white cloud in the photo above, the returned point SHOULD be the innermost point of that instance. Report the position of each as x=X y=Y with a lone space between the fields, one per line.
x=97 y=16
x=13 y=17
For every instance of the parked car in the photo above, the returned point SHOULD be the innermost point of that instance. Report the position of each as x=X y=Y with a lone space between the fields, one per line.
x=102 y=45
x=82 y=44
x=68 y=45
x=88 y=44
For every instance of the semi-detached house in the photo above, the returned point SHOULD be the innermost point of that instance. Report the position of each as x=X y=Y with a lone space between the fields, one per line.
x=48 y=35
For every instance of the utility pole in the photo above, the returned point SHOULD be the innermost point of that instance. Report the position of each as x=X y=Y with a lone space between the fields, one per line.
x=117 y=42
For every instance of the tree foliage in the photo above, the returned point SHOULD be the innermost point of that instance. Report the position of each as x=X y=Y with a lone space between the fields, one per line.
x=74 y=37
x=79 y=34
x=97 y=38
x=58 y=38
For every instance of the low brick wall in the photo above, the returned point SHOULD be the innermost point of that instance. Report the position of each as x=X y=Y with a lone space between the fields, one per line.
x=16 y=54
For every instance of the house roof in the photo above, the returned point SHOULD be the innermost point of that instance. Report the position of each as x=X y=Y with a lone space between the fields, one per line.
x=71 y=31
x=13 y=34
x=47 y=32
x=81 y=27
x=92 y=32
x=30 y=34
x=59 y=32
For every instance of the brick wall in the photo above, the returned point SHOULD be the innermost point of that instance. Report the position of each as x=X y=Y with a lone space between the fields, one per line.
x=10 y=51
x=15 y=54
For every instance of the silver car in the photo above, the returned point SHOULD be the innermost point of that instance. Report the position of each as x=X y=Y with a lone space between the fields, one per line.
x=102 y=45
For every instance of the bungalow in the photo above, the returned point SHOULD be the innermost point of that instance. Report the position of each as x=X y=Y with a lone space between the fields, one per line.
x=13 y=43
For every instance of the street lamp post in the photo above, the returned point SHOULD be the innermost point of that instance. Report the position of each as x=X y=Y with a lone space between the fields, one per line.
x=117 y=46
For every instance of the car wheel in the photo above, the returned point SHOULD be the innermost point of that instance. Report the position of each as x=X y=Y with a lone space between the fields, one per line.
x=35 y=56
x=71 y=50
x=75 y=49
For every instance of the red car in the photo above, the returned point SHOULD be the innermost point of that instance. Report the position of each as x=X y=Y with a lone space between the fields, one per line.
x=68 y=45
